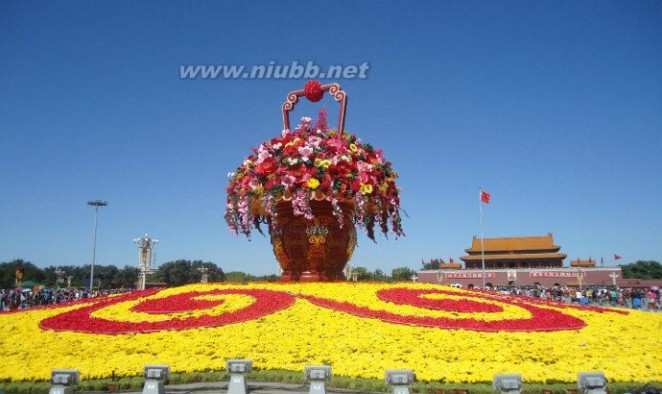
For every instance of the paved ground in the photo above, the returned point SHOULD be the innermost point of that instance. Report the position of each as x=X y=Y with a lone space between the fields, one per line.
x=253 y=387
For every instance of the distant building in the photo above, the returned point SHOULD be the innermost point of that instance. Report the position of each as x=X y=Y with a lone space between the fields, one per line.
x=524 y=261
x=583 y=263
x=514 y=252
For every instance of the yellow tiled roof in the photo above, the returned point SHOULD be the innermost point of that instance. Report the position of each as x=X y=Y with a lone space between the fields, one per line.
x=514 y=256
x=582 y=263
x=514 y=244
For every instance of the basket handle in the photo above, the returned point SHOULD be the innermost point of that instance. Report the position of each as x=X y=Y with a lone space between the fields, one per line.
x=333 y=88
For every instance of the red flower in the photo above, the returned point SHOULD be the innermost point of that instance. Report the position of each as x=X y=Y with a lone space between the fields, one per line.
x=268 y=166
x=313 y=91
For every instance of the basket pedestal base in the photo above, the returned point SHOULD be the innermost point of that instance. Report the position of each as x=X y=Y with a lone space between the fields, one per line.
x=313 y=250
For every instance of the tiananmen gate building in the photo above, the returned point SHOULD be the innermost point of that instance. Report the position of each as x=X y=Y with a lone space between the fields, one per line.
x=522 y=261
x=514 y=252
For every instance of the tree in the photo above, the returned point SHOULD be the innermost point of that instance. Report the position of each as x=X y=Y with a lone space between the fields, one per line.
x=181 y=272
x=433 y=264
x=379 y=276
x=127 y=277
x=642 y=270
x=106 y=276
x=238 y=277
x=214 y=273
x=361 y=273
x=30 y=272
x=402 y=274
x=175 y=273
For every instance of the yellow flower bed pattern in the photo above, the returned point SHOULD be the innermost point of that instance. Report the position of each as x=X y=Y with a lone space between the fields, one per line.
x=444 y=334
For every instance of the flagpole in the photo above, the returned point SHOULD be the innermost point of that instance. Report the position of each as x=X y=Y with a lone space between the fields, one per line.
x=482 y=244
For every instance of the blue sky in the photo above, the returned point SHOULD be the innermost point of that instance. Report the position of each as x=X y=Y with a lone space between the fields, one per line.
x=554 y=107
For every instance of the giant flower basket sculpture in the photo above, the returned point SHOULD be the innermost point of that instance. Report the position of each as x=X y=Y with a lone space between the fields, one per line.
x=312 y=185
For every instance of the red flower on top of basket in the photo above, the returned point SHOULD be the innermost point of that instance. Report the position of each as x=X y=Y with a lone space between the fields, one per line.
x=311 y=162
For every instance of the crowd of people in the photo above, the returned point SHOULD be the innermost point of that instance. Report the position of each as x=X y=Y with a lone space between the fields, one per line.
x=19 y=298
x=648 y=299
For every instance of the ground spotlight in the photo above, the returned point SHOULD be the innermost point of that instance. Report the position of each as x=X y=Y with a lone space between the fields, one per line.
x=592 y=382
x=317 y=376
x=237 y=369
x=400 y=379
x=156 y=377
x=510 y=383
x=62 y=380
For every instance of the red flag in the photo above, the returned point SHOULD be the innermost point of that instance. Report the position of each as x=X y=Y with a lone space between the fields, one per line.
x=485 y=196
x=617 y=257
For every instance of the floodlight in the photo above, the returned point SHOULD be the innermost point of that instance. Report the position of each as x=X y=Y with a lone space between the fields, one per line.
x=237 y=369
x=317 y=373
x=510 y=383
x=156 y=377
x=62 y=380
x=239 y=366
x=400 y=379
x=592 y=382
x=317 y=376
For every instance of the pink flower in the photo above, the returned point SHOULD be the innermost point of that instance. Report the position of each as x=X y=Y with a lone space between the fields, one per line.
x=305 y=151
x=314 y=141
x=262 y=155
x=363 y=166
x=288 y=181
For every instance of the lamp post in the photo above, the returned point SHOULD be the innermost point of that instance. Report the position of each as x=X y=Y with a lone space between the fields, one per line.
x=145 y=245
x=96 y=204
x=205 y=277
x=613 y=277
x=58 y=277
x=580 y=278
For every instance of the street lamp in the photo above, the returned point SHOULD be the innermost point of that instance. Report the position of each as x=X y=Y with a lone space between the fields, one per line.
x=145 y=245
x=58 y=277
x=205 y=276
x=96 y=204
x=580 y=278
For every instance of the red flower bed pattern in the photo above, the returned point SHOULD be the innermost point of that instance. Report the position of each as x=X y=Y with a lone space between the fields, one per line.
x=270 y=301
x=81 y=320
x=541 y=319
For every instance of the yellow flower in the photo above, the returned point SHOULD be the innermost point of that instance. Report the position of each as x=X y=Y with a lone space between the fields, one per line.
x=361 y=346
x=313 y=183
x=383 y=187
x=324 y=163
x=353 y=148
x=365 y=188
x=293 y=142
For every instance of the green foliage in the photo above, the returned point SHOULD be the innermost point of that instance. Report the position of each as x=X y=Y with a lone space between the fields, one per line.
x=402 y=274
x=380 y=276
x=175 y=273
x=361 y=273
x=182 y=272
x=433 y=264
x=642 y=270
x=30 y=272
x=238 y=277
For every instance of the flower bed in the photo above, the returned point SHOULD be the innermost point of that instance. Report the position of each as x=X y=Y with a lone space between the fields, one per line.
x=444 y=334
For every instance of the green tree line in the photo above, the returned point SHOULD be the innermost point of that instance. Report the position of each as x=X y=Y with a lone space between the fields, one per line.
x=181 y=272
x=172 y=273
